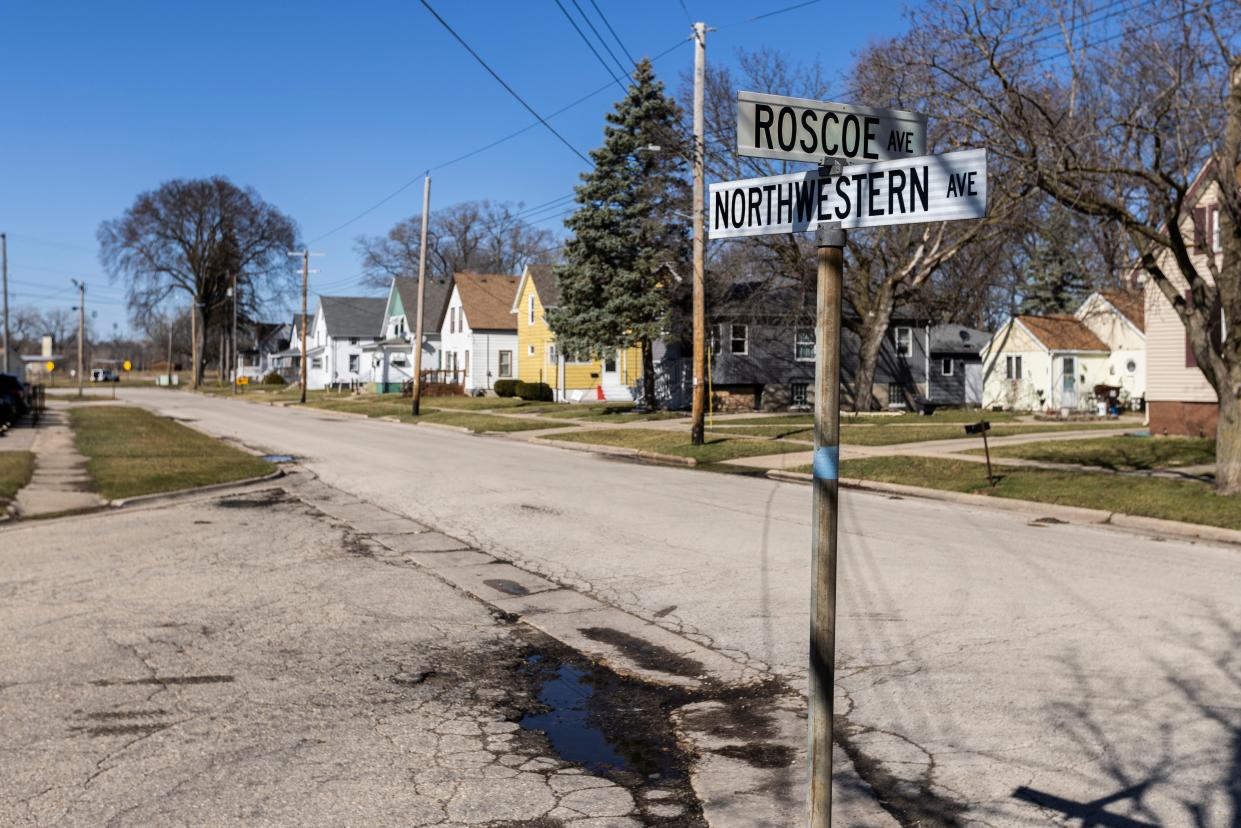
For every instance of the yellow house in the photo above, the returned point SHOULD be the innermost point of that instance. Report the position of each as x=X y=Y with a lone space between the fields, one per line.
x=539 y=360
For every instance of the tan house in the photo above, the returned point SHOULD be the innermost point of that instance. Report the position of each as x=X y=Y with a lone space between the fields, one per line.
x=1118 y=319
x=1039 y=363
x=1180 y=401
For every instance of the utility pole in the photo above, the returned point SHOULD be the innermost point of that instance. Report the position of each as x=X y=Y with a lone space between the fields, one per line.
x=4 y=266
x=305 y=254
x=233 y=348
x=81 y=328
x=170 y=321
x=422 y=287
x=830 y=242
x=697 y=431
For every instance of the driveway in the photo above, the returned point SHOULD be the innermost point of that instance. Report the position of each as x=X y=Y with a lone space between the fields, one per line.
x=994 y=668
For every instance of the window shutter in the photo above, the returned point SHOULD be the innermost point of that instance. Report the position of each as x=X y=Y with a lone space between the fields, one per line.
x=1201 y=238
x=1191 y=360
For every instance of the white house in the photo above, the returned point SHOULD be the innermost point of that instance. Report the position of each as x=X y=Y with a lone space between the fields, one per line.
x=1037 y=363
x=342 y=326
x=478 y=332
x=391 y=356
x=1118 y=319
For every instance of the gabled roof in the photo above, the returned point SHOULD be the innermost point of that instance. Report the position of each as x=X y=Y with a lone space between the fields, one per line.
x=435 y=300
x=352 y=316
x=1128 y=304
x=487 y=300
x=1061 y=333
x=545 y=285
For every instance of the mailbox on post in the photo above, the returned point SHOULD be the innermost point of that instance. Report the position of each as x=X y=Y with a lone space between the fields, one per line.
x=982 y=427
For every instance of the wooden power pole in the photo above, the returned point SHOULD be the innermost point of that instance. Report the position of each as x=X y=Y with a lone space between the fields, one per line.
x=4 y=267
x=698 y=412
x=305 y=254
x=422 y=287
x=81 y=329
x=233 y=346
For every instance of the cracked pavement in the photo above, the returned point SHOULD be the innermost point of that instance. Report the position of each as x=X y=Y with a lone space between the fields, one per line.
x=248 y=659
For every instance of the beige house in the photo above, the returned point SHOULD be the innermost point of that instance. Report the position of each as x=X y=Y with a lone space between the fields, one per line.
x=1118 y=319
x=1180 y=401
x=1041 y=363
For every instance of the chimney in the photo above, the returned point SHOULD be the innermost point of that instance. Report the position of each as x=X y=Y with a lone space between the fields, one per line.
x=47 y=345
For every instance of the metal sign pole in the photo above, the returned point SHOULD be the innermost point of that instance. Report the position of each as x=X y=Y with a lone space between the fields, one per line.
x=830 y=242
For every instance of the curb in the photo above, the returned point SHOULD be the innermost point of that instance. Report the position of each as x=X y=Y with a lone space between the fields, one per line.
x=616 y=451
x=138 y=500
x=1140 y=523
x=444 y=427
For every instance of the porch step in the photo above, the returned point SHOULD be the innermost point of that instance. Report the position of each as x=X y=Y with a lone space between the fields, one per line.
x=617 y=393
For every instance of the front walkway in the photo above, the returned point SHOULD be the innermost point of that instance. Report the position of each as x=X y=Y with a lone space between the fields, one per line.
x=60 y=482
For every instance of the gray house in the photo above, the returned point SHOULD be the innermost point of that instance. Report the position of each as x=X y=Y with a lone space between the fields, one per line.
x=762 y=354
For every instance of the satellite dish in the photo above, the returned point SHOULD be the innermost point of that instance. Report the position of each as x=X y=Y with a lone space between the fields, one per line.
x=964 y=334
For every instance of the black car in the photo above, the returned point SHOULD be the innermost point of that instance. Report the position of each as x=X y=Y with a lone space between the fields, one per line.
x=14 y=398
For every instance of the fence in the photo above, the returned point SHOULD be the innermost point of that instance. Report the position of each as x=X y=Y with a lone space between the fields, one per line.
x=437 y=383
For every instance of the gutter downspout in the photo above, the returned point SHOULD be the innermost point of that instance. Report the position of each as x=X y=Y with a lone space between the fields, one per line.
x=926 y=341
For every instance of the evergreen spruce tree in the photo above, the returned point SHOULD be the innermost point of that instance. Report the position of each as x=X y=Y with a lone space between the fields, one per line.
x=630 y=231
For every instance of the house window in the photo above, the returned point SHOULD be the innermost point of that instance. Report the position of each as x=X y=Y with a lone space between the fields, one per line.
x=896 y=395
x=353 y=340
x=530 y=309
x=803 y=345
x=529 y=350
x=353 y=363
x=317 y=362
x=739 y=339
x=465 y=367
x=1012 y=367
x=903 y=339
x=506 y=364
x=945 y=367
x=715 y=339
x=551 y=353
x=798 y=393
x=1131 y=366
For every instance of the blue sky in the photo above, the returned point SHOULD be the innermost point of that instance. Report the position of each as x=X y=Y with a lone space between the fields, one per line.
x=325 y=108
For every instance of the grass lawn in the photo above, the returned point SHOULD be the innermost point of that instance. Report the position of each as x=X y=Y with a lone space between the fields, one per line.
x=1184 y=500
x=72 y=396
x=716 y=449
x=792 y=431
x=1121 y=453
x=15 y=470
x=477 y=422
x=133 y=452
x=941 y=417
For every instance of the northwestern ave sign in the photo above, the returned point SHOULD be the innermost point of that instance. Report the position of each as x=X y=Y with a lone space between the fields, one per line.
x=929 y=188
x=800 y=129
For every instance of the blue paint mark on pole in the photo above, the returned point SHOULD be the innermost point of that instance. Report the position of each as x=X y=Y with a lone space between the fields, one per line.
x=826 y=462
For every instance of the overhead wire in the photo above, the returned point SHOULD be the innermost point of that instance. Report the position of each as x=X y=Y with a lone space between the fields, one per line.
x=589 y=45
x=503 y=83
x=603 y=17
x=624 y=70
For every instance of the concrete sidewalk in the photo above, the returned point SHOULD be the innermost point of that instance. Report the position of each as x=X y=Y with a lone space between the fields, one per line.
x=60 y=482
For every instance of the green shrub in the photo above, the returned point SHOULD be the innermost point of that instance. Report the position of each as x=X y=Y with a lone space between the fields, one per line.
x=273 y=378
x=535 y=391
x=506 y=387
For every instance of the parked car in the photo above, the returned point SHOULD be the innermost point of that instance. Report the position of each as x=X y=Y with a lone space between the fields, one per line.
x=103 y=375
x=14 y=398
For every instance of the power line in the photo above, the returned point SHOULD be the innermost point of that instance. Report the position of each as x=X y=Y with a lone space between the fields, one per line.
x=765 y=15
x=604 y=18
x=482 y=149
x=589 y=45
x=624 y=71
x=501 y=81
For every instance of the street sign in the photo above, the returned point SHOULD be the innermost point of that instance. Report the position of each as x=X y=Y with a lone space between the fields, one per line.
x=927 y=188
x=126 y=366
x=803 y=129
x=243 y=380
x=50 y=366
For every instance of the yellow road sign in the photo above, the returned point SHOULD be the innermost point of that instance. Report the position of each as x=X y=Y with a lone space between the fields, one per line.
x=51 y=366
x=126 y=365
x=243 y=380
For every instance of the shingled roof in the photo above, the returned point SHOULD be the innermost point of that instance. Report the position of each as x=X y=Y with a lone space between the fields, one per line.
x=435 y=300
x=1130 y=304
x=353 y=315
x=487 y=300
x=544 y=276
x=1062 y=333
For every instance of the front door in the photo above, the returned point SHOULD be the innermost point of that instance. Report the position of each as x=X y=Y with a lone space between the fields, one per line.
x=1068 y=383
x=973 y=383
x=611 y=374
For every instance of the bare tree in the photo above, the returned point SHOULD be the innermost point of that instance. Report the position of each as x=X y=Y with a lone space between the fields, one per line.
x=190 y=237
x=1118 y=121
x=470 y=237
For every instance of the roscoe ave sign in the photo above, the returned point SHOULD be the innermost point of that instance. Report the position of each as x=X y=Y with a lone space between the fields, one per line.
x=928 y=188
x=799 y=129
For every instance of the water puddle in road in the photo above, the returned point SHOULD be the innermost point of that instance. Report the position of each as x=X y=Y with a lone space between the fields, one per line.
x=279 y=458
x=601 y=723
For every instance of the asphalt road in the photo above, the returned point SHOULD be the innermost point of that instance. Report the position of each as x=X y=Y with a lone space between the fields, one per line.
x=992 y=669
